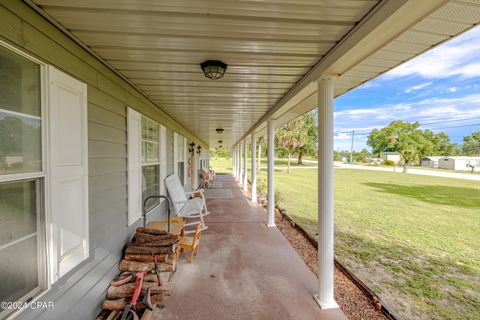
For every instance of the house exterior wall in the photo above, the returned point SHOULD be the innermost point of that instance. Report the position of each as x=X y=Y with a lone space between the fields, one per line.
x=393 y=157
x=429 y=163
x=446 y=163
x=79 y=293
x=461 y=164
x=457 y=164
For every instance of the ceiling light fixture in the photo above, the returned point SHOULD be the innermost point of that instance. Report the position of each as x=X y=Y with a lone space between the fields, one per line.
x=220 y=130
x=213 y=69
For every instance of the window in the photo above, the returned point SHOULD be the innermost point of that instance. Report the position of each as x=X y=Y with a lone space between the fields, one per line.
x=24 y=194
x=21 y=180
x=20 y=115
x=146 y=163
x=179 y=152
x=150 y=161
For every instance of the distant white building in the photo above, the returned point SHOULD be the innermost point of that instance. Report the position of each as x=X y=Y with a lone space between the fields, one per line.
x=393 y=156
x=430 y=162
x=459 y=163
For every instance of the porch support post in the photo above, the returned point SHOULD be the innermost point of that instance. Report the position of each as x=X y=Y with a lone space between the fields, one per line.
x=253 y=147
x=271 y=164
x=245 y=166
x=240 y=164
x=325 y=194
x=234 y=165
x=237 y=161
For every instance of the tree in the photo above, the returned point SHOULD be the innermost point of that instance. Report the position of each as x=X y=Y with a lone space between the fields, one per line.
x=310 y=146
x=471 y=144
x=362 y=155
x=292 y=136
x=220 y=152
x=405 y=138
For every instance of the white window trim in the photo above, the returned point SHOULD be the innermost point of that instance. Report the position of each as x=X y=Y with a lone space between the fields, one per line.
x=133 y=215
x=176 y=138
x=46 y=251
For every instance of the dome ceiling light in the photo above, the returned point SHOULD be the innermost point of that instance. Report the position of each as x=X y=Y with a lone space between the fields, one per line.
x=213 y=69
x=220 y=130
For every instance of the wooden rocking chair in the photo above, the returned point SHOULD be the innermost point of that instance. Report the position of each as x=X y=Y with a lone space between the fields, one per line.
x=191 y=243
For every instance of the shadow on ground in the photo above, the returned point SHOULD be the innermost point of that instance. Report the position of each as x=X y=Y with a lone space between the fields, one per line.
x=439 y=194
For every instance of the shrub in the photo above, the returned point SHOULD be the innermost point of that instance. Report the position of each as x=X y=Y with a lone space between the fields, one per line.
x=388 y=163
x=262 y=187
x=278 y=197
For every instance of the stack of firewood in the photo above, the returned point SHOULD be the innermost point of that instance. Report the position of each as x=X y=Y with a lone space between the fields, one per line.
x=140 y=254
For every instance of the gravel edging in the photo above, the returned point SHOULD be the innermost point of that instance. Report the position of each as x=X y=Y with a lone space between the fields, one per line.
x=353 y=302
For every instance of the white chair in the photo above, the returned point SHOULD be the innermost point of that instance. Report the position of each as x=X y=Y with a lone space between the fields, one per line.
x=186 y=204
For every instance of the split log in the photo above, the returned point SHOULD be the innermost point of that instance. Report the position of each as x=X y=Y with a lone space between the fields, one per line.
x=133 y=249
x=152 y=277
x=135 y=266
x=148 y=314
x=119 y=304
x=103 y=315
x=151 y=231
x=164 y=277
x=144 y=237
x=128 y=289
x=114 y=315
x=146 y=258
x=157 y=243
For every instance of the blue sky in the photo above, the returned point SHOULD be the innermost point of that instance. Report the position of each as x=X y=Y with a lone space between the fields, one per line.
x=440 y=89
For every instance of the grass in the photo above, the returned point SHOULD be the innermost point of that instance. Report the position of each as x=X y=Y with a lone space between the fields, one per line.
x=415 y=240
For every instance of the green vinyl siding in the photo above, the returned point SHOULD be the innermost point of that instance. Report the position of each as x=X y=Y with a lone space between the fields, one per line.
x=78 y=295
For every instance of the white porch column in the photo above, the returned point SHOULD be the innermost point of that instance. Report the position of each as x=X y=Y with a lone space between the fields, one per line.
x=271 y=164
x=240 y=164
x=245 y=166
x=233 y=161
x=325 y=194
x=236 y=163
x=253 y=147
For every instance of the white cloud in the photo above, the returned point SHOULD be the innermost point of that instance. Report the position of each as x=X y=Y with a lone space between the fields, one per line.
x=342 y=136
x=452 y=89
x=418 y=87
x=425 y=111
x=454 y=58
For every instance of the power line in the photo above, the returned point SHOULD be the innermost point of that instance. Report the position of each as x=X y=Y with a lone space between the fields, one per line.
x=452 y=120
x=466 y=125
x=359 y=131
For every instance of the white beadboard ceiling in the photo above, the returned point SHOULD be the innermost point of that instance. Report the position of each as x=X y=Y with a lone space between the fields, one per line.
x=273 y=50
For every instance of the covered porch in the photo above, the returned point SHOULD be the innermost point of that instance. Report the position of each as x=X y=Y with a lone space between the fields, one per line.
x=244 y=269
x=148 y=110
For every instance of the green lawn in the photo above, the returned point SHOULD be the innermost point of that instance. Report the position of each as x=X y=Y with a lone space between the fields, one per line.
x=415 y=240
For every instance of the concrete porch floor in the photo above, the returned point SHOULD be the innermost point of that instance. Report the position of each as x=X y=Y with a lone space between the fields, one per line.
x=244 y=270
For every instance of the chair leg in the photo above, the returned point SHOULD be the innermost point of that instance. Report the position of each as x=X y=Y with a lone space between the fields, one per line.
x=191 y=255
x=196 y=250
x=201 y=219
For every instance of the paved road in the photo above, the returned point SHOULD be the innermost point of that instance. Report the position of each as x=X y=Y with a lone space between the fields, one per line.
x=434 y=173
x=445 y=174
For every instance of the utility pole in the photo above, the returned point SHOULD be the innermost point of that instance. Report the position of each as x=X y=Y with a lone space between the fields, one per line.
x=351 y=148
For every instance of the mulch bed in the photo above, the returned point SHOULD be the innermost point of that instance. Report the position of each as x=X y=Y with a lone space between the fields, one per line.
x=353 y=302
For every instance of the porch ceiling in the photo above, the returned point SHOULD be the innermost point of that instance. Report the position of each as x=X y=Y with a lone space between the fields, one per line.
x=159 y=45
x=273 y=49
